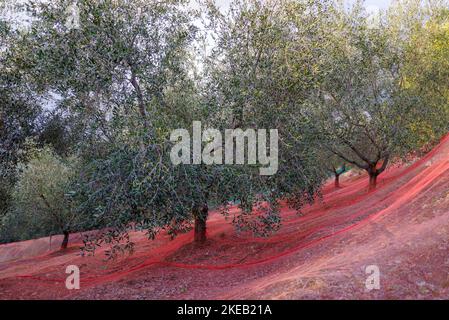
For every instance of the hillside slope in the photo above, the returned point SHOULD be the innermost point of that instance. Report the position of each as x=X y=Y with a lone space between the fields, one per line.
x=402 y=227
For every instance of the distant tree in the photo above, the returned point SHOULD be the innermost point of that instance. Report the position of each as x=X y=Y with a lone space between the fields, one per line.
x=332 y=164
x=362 y=110
x=42 y=199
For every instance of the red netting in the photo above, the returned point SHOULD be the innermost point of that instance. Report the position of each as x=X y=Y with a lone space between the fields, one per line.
x=337 y=213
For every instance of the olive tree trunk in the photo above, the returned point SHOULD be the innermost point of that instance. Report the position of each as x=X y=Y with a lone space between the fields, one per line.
x=65 y=241
x=337 y=180
x=200 y=217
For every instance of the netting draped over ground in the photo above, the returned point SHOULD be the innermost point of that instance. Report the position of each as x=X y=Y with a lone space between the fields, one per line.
x=337 y=213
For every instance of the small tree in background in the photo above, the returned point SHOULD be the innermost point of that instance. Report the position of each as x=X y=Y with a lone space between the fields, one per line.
x=333 y=165
x=363 y=111
x=42 y=202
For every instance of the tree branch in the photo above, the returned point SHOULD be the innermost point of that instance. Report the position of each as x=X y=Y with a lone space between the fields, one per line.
x=361 y=166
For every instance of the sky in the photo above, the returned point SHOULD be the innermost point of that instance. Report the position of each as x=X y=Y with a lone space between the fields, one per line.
x=371 y=5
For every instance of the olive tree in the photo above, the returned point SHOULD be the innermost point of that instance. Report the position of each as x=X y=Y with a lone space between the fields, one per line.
x=362 y=110
x=123 y=71
x=332 y=165
x=117 y=71
x=42 y=197
x=127 y=73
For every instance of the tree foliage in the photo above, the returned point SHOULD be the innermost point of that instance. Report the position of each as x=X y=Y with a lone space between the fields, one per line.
x=364 y=112
x=426 y=72
x=19 y=111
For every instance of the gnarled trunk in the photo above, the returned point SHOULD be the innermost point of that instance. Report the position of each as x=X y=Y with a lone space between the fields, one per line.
x=200 y=224
x=65 y=241
x=337 y=180
x=373 y=172
x=372 y=181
